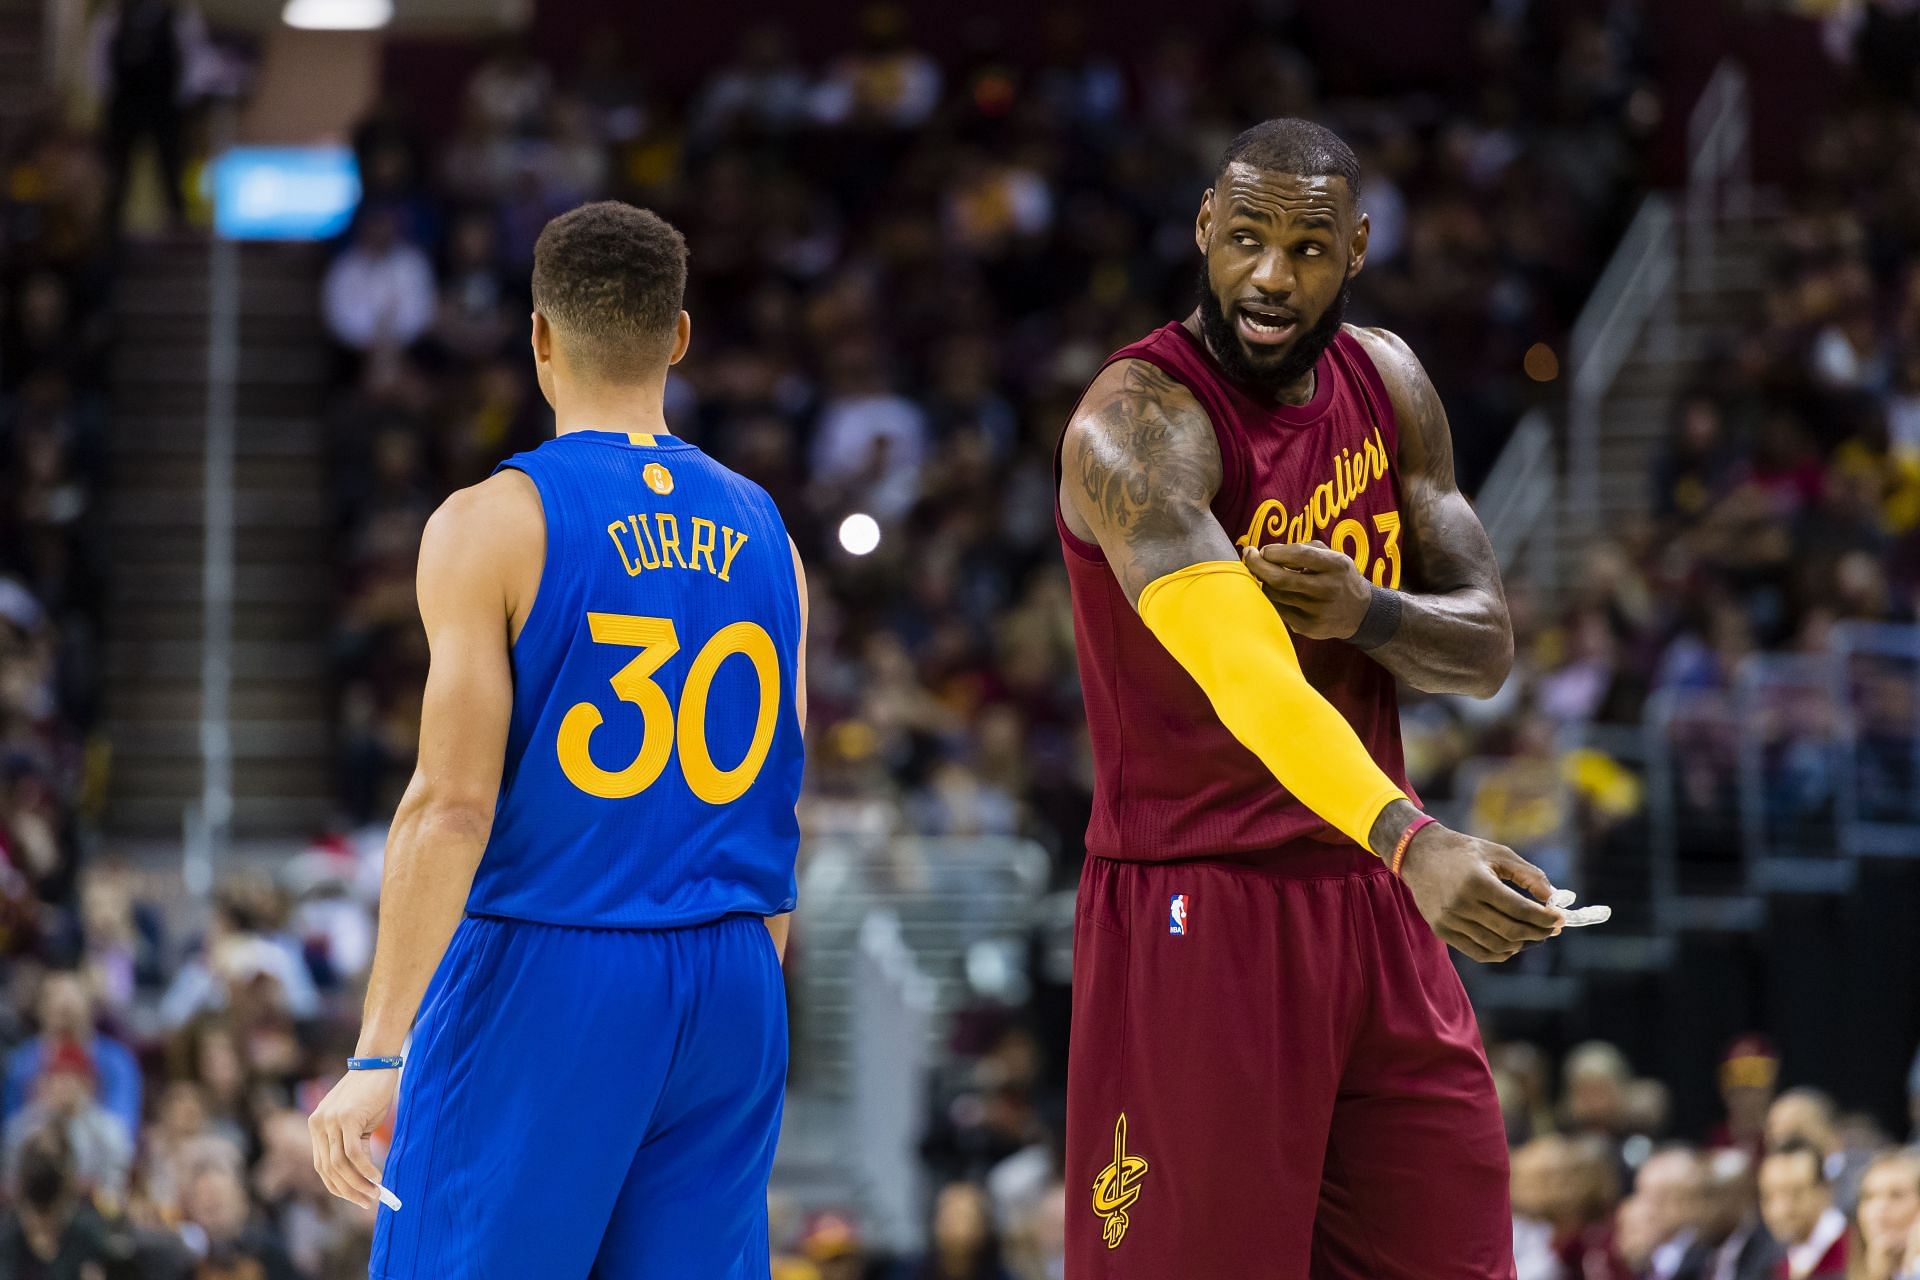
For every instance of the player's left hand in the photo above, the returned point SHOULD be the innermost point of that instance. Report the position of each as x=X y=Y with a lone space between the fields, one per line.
x=1318 y=591
x=342 y=1127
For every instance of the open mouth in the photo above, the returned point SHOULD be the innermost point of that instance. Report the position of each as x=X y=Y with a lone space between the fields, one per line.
x=1265 y=326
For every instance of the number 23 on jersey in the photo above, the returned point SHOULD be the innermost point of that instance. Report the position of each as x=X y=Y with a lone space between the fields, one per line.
x=663 y=727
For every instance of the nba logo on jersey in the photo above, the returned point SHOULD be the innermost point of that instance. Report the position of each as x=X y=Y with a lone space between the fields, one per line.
x=1177 y=916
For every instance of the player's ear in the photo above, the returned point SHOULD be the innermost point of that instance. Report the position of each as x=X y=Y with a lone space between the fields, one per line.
x=682 y=338
x=542 y=339
x=1357 y=251
x=1203 y=222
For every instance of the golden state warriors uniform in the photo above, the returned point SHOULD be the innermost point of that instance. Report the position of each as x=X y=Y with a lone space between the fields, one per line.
x=594 y=1083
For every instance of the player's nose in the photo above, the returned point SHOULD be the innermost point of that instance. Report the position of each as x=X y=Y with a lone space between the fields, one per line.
x=1273 y=275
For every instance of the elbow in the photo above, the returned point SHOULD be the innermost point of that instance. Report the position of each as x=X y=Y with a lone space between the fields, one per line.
x=450 y=817
x=1498 y=663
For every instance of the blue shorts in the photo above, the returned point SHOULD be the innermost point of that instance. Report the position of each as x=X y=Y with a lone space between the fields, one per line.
x=589 y=1102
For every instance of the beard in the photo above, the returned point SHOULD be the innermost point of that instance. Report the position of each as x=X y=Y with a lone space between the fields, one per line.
x=1271 y=376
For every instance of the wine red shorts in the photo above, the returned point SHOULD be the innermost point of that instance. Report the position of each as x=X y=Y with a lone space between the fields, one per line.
x=1275 y=1075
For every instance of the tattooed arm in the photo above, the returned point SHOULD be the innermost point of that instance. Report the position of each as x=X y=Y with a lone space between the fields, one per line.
x=1449 y=632
x=1139 y=468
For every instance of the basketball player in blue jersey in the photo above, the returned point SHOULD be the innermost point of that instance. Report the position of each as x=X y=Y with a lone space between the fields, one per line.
x=586 y=880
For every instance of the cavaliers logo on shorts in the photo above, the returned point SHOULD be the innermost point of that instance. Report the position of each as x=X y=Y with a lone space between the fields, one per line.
x=1117 y=1186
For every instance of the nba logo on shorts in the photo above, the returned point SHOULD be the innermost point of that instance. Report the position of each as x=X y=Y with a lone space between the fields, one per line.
x=1177 y=916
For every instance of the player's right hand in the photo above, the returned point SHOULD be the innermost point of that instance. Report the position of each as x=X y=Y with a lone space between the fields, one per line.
x=1456 y=881
x=342 y=1127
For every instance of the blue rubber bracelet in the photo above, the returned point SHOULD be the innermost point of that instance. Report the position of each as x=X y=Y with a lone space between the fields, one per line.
x=373 y=1064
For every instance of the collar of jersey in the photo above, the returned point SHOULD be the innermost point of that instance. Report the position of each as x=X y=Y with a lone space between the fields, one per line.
x=661 y=440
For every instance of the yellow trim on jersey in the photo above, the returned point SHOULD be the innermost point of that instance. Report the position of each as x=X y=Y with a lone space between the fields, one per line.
x=642 y=439
x=1217 y=623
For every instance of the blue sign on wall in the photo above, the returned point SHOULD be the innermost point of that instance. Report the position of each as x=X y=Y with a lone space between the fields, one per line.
x=284 y=193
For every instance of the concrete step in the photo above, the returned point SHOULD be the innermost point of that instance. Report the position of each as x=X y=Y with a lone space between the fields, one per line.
x=179 y=700
x=255 y=474
x=176 y=546
x=254 y=817
x=139 y=435
x=184 y=621
x=252 y=739
x=137 y=366
x=184 y=509
x=134 y=659
x=306 y=584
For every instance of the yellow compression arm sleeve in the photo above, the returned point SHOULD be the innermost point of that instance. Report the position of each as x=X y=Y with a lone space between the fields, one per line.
x=1217 y=623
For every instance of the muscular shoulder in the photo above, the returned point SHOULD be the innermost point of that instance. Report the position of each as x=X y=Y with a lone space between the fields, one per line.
x=488 y=541
x=1399 y=368
x=1139 y=425
x=1424 y=435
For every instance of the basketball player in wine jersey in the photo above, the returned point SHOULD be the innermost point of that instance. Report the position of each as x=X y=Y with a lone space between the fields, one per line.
x=1275 y=1072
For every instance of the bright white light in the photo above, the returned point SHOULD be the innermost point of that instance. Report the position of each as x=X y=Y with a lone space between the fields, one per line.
x=859 y=533
x=337 y=15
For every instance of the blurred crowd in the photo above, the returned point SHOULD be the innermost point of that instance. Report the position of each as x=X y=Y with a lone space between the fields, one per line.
x=906 y=264
x=1786 y=1187
x=904 y=270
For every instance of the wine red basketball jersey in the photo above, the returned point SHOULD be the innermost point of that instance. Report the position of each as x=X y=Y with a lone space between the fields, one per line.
x=1170 y=781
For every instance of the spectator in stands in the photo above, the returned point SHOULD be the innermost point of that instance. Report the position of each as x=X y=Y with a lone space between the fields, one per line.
x=1888 y=1245
x=1036 y=1242
x=834 y=1247
x=1808 y=1117
x=66 y=1018
x=51 y=1230
x=379 y=296
x=221 y=1229
x=1738 y=1246
x=1672 y=1186
x=964 y=1243
x=65 y=1099
x=1797 y=1205
x=143 y=53
x=1749 y=1073
x=1595 y=1101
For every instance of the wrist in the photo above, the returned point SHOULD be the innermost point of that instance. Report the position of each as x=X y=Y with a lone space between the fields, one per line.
x=1400 y=847
x=1381 y=622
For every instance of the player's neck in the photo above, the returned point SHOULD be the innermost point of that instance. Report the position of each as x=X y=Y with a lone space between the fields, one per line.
x=627 y=410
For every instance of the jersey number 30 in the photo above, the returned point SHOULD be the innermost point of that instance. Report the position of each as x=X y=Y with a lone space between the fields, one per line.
x=657 y=642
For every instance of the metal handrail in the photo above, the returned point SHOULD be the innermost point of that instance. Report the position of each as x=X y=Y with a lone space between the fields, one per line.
x=1636 y=287
x=1519 y=490
x=1718 y=163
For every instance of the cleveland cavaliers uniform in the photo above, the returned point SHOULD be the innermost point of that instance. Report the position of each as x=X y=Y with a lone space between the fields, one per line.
x=1275 y=1072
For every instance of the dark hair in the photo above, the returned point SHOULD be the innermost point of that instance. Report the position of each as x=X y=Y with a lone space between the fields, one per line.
x=610 y=278
x=1293 y=145
x=1798 y=1147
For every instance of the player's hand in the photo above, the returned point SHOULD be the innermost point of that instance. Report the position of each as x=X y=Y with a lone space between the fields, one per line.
x=1318 y=591
x=342 y=1127
x=1456 y=882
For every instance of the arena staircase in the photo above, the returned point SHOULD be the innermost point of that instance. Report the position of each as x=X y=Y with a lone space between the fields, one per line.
x=281 y=593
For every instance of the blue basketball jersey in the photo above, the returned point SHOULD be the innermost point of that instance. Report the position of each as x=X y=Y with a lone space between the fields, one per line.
x=655 y=752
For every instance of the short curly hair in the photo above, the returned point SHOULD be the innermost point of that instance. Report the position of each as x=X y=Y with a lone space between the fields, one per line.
x=610 y=277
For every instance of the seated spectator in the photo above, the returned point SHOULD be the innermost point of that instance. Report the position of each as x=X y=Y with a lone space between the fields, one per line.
x=1888 y=1247
x=51 y=1230
x=1808 y=1117
x=1749 y=1073
x=221 y=1230
x=1797 y=1204
x=66 y=1017
x=965 y=1245
x=379 y=295
x=1737 y=1246
x=1672 y=1185
x=65 y=1099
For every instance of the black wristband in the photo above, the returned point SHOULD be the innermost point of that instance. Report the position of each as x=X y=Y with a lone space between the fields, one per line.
x=1382 y=621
